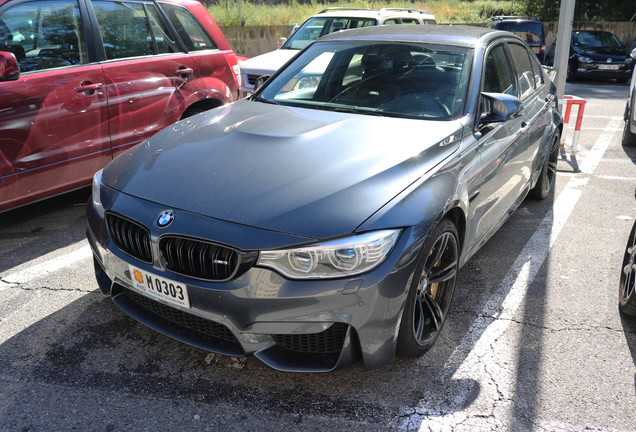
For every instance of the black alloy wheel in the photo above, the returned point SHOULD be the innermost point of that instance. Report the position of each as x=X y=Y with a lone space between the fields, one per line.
x=431 y=292
x=547 y=178
x=626 y=292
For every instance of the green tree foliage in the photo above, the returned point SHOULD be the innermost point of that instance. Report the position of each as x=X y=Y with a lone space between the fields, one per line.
x=584 y=10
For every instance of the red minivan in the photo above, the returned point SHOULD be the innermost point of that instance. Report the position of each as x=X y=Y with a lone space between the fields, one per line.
x=83 y=80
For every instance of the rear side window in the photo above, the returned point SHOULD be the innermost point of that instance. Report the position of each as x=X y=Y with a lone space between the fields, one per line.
x=529 y=31
x=131 y=30
x=401 y=21
x=188 y=28
x=43 y=34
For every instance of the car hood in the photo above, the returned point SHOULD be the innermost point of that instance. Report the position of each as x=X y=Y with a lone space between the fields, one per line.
x=603 y=52
x=269 y=62
x=300 y=171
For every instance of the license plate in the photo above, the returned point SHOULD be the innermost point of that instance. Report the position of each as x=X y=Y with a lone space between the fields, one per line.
x=159 y=288
x=608 y=67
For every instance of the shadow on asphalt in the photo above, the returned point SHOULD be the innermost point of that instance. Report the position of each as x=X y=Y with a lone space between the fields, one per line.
x=34 y=230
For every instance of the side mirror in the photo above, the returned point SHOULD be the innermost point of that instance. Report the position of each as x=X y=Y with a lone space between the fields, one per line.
x=9 y=69
x=633 y=54
x=260 y=81
x=500 y=107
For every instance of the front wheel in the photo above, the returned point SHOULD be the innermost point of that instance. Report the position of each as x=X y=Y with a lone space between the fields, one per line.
x=547 y=178
x=431 y=291
x=626 y=292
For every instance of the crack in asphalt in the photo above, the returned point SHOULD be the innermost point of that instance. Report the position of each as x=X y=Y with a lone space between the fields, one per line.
x=575 y=327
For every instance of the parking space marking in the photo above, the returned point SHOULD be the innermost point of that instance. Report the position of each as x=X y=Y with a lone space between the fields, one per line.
x=478 y=360
x=595 y=155
x=608 y=177
x=43 y=268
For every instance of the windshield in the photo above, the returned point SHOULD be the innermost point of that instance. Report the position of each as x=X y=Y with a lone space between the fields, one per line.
x=392 y=79
x=315 y=28
x=596 y=40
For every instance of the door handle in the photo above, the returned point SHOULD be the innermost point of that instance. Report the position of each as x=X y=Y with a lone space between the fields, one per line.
x=89 y=89
x=184 y=72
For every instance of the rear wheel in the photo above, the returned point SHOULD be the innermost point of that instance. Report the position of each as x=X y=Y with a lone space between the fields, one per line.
x=431 y=291
x=626 y=292
x=546 y=180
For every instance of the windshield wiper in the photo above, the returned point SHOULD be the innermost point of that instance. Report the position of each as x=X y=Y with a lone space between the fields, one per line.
x=354 y=110
x=267 y=101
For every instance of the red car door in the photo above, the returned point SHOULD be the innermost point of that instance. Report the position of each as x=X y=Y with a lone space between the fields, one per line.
x=54 y=124
x=146 y=91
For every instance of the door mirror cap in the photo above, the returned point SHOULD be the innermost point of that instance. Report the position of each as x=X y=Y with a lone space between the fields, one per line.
x=9 y=69
x=500 y=107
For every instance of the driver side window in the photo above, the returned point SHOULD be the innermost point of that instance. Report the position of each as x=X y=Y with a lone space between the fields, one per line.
x=497 y=75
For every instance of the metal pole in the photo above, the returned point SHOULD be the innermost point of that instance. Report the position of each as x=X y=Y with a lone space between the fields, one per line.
x=562 y=49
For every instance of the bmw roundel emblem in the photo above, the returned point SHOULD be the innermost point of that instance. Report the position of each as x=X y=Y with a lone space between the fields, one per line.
x=165 y=218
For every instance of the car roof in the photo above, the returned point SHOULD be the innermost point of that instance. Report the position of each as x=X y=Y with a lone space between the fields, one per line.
x=514 y=18
x=370 y=13
x=459 y=35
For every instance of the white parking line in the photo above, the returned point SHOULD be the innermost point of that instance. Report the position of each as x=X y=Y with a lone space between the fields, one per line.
x=479 y=360
x=44 y=268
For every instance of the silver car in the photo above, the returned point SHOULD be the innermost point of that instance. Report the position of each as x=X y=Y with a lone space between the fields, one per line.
x=323 y=220
x=629 y=132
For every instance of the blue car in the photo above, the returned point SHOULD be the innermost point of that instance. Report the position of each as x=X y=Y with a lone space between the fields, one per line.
x=323 y=220
x=598 y=54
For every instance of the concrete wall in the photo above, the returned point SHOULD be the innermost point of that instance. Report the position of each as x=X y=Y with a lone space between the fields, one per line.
x=251 y=41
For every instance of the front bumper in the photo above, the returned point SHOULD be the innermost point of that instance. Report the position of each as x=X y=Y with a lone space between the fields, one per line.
x=290 y=325
x=592 y=70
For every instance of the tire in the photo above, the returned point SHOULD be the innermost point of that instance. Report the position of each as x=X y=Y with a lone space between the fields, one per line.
x=431 y=291
x=571 y=76
x=626 y=291
x=194 y=110
x=547 y=178
x=629 y=139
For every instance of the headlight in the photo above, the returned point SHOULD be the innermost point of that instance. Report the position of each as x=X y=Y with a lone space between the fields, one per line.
x=338 y=258
x=629 y=60
x=97 y=201
x=586 y=59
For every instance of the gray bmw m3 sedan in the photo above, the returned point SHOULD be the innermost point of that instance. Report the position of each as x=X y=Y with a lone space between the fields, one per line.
x=323 y=220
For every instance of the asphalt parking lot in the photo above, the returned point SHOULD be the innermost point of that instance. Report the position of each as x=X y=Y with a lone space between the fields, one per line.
x=534 y=339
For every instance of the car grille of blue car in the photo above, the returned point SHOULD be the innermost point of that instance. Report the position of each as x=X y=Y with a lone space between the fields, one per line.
x=182 y=255
x=130 y=237
x=327 y=342
x=198 y=259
